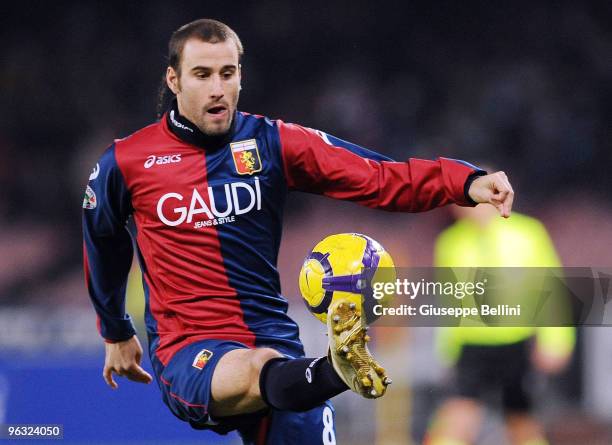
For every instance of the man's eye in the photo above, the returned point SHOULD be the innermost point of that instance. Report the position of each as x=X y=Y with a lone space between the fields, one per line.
x=202 y=75
x=227 y=75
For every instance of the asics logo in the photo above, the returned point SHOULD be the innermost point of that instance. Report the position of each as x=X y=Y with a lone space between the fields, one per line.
x=308 y=370
x=323 y=136
x=160 y=160
x=95 y=172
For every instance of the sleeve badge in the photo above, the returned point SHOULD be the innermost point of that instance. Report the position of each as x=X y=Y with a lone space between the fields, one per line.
x=90 y=201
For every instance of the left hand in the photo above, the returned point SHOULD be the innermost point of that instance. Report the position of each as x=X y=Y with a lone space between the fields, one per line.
x=494 y=189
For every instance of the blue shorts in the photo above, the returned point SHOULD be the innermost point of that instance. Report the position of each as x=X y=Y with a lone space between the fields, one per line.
x=186 y=389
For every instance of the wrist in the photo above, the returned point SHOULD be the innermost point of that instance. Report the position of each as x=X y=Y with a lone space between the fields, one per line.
x=468 y=183
x=109 y=341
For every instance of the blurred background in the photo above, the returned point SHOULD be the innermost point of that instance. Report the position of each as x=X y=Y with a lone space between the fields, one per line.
x=523 y=86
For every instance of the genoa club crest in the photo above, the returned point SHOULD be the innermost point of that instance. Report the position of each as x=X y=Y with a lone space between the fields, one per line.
x=201 y=359
x=246 y=157
x=90 y=201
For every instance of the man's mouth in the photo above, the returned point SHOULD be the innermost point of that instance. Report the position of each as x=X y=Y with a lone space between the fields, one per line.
x=217 y=110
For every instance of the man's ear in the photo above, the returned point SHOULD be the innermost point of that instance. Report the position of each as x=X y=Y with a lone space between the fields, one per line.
x=172 y=80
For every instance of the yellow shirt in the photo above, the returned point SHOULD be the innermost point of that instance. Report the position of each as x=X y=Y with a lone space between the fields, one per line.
x=520 y=241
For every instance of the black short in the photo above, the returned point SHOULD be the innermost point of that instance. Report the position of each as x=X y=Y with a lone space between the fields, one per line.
x=488 y=373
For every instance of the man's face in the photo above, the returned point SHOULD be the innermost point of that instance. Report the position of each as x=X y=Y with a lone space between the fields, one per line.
x=209 y=84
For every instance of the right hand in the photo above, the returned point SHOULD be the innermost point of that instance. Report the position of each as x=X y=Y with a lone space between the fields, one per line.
x=123 y=359
x=494 y=189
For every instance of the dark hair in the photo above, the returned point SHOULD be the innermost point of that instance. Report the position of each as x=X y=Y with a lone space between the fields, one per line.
x=206 y=30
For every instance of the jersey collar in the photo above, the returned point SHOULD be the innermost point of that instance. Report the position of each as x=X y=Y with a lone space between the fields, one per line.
x=188 y=132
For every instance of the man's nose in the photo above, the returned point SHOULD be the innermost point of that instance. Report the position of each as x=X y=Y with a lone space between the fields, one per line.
x=216 y=87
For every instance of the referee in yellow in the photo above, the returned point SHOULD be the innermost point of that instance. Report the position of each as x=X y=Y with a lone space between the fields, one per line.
x=491 y=363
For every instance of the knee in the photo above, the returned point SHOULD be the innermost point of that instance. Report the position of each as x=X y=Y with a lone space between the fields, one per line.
x=261 y=356
x=257 y=360
x=235 y=382
x=459 y=419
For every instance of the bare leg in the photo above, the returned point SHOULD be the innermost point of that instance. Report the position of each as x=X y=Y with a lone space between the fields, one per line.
x=523 y=429
x=235 y=383
x=458 y=421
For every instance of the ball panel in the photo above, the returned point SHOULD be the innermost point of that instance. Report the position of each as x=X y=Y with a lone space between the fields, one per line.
x=311 y=279
x=337 y=262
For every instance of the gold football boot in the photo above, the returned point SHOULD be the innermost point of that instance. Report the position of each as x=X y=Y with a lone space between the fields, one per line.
x=349 y=354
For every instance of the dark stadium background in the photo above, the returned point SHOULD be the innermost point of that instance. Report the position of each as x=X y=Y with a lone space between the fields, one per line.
x=525 y=86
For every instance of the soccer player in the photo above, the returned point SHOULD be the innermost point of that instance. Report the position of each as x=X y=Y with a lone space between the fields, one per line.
x=201 y=193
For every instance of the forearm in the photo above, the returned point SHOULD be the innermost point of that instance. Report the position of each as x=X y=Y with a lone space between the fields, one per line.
x=106 y=265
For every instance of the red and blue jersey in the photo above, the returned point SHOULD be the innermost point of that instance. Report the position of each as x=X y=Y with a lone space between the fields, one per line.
x=204 y=216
